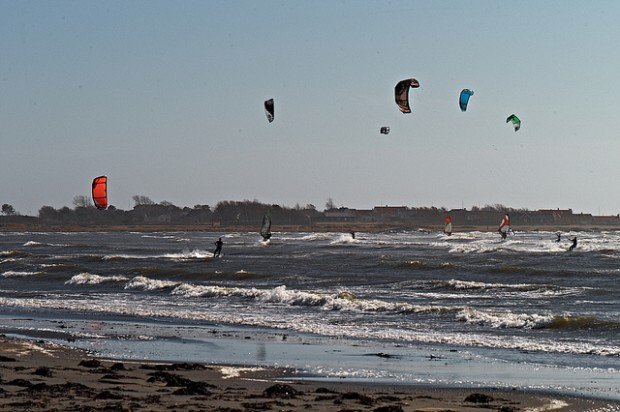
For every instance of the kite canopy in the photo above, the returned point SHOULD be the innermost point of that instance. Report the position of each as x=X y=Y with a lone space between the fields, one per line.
x=515 y=121
x=385 y=130
x=269 y=110
x=100 y=192
x=401 y=92
x=464 y=98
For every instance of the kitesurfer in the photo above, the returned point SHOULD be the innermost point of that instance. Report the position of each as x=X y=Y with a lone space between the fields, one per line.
x=218 y=248
x=574 y=245
x=559 y=235
x=353 y=235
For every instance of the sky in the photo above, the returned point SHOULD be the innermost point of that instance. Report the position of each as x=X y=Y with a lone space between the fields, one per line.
x=166 y=99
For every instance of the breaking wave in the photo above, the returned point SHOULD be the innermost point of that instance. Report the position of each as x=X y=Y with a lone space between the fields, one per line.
x=91 y=279
x=144 y=283
x=15 y=273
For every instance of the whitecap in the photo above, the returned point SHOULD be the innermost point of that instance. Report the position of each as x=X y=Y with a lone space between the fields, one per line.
x=86 y=278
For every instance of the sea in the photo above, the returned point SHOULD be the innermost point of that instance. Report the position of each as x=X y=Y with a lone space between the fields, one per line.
x=410 y=307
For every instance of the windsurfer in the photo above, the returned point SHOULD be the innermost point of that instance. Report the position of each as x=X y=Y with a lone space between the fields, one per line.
x=218 y=248
x=504 y=227
x=574 y=245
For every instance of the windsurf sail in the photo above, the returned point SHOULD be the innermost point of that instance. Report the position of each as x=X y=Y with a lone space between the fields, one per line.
x=448 y=228
x=504 y=227
x=515 y=121
x=265 y=229
x=401 y=93
x=100 y=192
x=385 y=130
x=269 y=110
x=464 y=98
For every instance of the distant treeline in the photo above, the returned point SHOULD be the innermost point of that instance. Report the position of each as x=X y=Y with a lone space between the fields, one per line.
x=247 y=214
x=226 y=213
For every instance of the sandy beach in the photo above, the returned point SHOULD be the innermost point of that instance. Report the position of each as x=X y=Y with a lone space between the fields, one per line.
x=35 y=375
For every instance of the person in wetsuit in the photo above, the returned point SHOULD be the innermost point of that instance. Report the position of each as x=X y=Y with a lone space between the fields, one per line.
x=574 y=245
x=559 y=235
x=218 y=248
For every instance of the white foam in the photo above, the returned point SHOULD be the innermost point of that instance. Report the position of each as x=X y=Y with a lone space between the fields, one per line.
x=32 y=243
x=194 y=254
x=344 y=239
x=144 y=283
x=14 y=273
x=503 y=320
x=86 y=278
x=316 y=324
x=551 y=406
x=186 y=255
x=234 y=372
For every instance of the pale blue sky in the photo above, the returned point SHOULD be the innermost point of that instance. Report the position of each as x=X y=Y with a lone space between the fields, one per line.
x=165 y=98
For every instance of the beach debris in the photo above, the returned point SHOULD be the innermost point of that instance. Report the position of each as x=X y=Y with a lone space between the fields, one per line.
x=43 y=371
x=107 y=395
x=383 y=355
x=19 y=382
x=280 y=390
x=389 y=408
x=188 y=386
x=401 y=93
x=194 y=388
x=170 y=379
x=174 y=367
x=385 y=130
x=110 y=377
x=478 y=398
x=66 y=389
x=258 y=406
x=90 y=363
x=361 y=398
x=118 y=366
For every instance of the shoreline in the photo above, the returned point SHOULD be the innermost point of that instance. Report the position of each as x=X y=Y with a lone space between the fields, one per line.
x=341 y=227
x=41 y=376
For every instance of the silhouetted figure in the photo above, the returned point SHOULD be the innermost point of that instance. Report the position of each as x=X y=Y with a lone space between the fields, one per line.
x=353 y=235
x=559 y=235
x=574 y=245
x=218 y=248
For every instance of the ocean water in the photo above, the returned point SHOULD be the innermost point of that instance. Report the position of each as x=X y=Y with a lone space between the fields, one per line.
x=408 y=306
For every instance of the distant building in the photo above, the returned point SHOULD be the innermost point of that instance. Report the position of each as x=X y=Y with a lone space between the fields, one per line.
x=342 y=214
x=390 y=212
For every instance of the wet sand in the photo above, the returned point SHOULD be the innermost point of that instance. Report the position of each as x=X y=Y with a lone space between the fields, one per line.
x=35 y=375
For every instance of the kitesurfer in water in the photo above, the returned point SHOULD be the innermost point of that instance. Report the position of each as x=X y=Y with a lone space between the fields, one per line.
x=218 y=248
x=559 y=235
x=352 y=235
x=574 y=245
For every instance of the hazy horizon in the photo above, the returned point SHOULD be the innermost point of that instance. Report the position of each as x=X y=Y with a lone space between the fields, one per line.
x=166 y=99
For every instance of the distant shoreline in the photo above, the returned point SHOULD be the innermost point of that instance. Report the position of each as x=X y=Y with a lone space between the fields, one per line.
x=343 y=227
